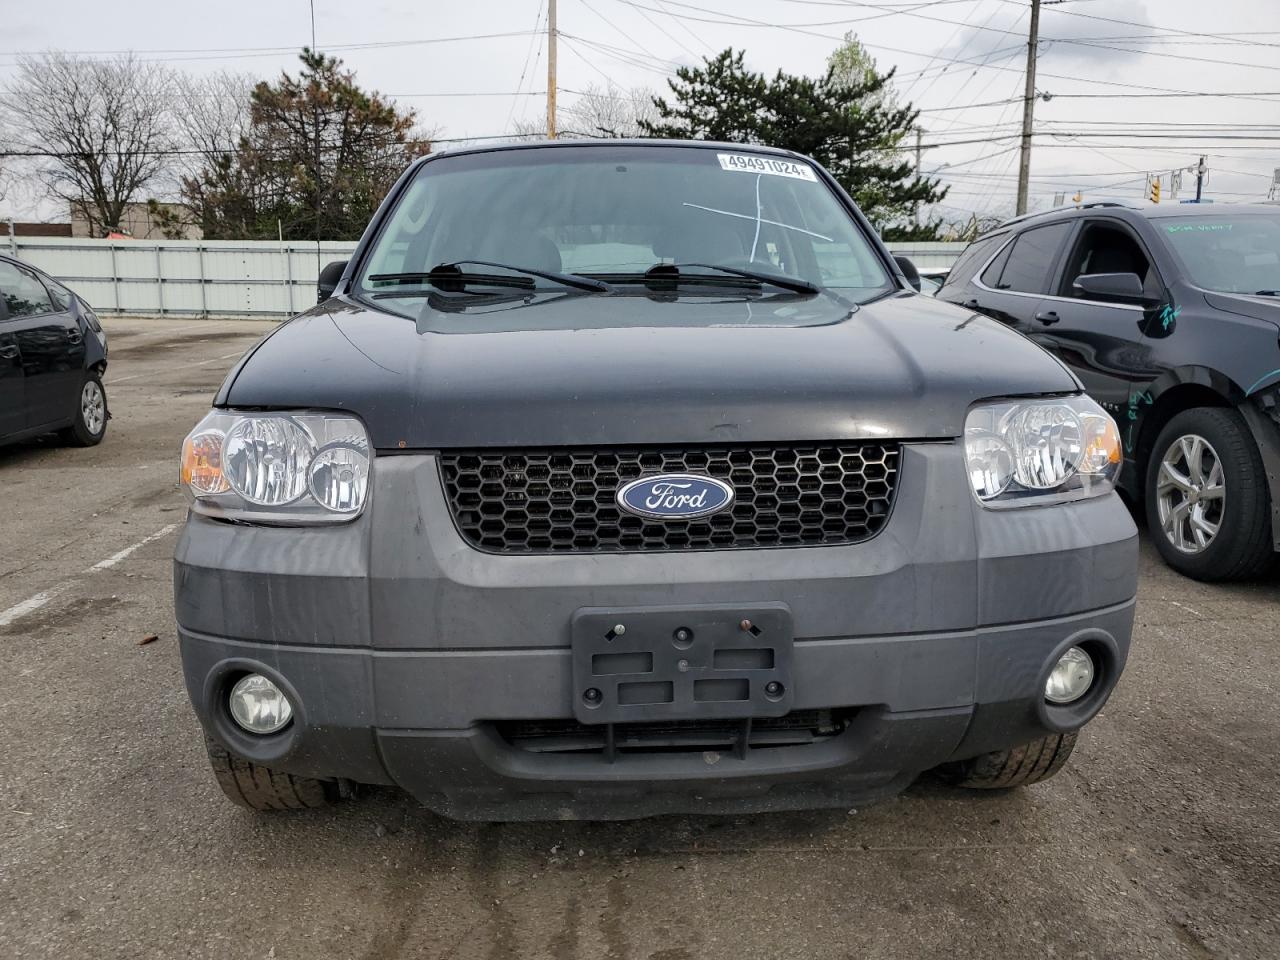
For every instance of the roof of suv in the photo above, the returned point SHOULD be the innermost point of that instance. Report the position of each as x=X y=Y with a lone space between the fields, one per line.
x=1148 y=212
x=615 y=142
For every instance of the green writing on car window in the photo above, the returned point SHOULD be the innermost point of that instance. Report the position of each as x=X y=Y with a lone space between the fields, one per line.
x=1199 y=227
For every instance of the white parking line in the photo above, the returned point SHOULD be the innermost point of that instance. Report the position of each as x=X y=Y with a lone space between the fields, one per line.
x=198 y=363
x=115 y=558
x=27 y=606
x=33 y=603
x=216 y=359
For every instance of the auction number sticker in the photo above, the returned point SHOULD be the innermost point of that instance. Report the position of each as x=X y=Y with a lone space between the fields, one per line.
x=748 y=163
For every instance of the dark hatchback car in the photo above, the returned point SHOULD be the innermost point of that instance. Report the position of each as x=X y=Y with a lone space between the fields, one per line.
x=1170 y=316
x=53 y=353
x=623 y=478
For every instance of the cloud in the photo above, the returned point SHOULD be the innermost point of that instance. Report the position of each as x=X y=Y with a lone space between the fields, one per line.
x=1066 y=40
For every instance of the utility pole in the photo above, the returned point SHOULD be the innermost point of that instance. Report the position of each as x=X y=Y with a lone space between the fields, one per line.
x=1201 y=169
x=551 y=69
x=919 y=151
x=1028 y=108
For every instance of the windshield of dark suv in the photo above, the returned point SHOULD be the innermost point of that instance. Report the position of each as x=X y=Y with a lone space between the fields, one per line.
x=616 y=214
x=1237 y=253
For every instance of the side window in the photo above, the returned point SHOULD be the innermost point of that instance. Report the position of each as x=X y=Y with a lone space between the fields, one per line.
x=1105 y=248
x=24 y=295
x=1031 y=260
x=60 y=295
x=971 y=258
x=991 y=275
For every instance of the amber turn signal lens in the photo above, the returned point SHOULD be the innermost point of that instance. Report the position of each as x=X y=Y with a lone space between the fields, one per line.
x=1102 y=444
x=202 y=463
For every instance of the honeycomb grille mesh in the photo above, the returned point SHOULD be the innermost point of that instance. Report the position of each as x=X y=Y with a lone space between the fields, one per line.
x=563 y=501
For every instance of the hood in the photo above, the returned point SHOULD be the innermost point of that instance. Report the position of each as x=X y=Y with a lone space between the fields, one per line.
x=547 y=371
x=1246 y=305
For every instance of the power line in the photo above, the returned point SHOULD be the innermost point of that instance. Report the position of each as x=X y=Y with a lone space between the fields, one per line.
x=635 y=53
x=1009 y=55
x=616 y=29
x=1131 y=23
x=685 y=27
x=663 y=30
x=749 y=22
x=614 y=53
x=247 y=52
x=971 y=106
x=537 y=21
x=945 y=45
x=1163 y=96
x=1091 y=41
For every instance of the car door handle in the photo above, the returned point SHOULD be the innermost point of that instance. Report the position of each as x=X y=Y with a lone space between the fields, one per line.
x=1047 y=317
x=8 y=352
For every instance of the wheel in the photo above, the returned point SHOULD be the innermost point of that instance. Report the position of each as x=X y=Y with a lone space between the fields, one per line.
x=91 y=415
x=261 y=788
x=1208 y=506
x=1029 y=763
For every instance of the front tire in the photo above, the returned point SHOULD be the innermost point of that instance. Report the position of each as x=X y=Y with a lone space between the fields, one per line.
x=1026 y=764
x=260 y=788
x=90 y=425
x=1207 y=502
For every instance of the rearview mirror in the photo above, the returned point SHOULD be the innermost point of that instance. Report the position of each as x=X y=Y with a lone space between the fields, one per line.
x=909 y=271
x=1111 y=288
x=329 y=278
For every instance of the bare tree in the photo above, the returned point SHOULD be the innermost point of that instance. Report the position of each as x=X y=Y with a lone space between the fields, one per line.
x=523 y=129
x=211 y=117
x=598 y=113
x=97 y=132
x=609 y=112
x=212 y=120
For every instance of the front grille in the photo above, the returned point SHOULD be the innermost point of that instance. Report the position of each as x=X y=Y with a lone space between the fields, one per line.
x=798 y=728
x=551 y=501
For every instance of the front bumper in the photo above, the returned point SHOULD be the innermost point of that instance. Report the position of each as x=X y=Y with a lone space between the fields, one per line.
x=405 y=651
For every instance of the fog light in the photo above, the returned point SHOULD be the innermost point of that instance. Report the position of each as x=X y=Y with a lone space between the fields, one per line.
x=1071 y=678
x=259 y=705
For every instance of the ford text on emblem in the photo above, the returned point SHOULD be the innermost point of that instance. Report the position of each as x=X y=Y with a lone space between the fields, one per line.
x=675 y=496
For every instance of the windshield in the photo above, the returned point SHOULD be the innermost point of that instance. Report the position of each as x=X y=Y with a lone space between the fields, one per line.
x=1233 y=254
x=615 y=212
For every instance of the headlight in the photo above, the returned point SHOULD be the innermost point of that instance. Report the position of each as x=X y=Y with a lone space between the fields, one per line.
x=277 y=467
x=1025 y=452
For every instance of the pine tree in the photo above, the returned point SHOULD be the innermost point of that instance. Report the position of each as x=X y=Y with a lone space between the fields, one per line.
x=319 y=157
x=849 y=120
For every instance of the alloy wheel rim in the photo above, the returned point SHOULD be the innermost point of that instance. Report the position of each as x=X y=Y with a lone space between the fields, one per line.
x=1191 y=494
x=93 y=408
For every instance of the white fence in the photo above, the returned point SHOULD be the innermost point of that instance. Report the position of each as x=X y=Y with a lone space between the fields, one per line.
x=230 y=278
x=933 y=256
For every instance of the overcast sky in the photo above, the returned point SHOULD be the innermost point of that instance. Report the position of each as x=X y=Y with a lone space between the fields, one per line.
x=415 y=52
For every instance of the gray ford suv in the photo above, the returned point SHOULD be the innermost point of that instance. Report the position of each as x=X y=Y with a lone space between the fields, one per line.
x=622 y=478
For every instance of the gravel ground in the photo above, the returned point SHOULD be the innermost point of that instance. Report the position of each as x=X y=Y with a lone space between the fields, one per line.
x=1161 y=839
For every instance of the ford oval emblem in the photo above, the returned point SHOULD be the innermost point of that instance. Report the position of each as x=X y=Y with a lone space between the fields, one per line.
x=675 y=496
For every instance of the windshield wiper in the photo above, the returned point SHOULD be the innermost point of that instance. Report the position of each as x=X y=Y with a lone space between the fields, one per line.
x=672 y=272
x=452 y=274
x=1266 y=293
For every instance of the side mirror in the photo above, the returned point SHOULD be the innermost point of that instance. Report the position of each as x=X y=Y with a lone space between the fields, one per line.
x=909 y=271
x=329 y=278
x=1111 y=288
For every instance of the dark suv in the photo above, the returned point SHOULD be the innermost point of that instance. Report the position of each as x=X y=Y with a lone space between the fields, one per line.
x=621 y=478
x=1170 y=317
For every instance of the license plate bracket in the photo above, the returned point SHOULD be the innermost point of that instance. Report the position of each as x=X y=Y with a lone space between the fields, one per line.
x=734 y=662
